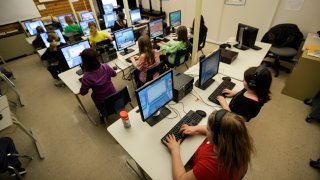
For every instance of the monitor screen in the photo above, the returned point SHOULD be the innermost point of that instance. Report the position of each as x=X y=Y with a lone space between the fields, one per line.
x=155 y=95
x=209 y=67
x=32 y=25
x=44 y=37
x=135 y=15
x=109 y=19
x=155 y=28
x=87 y=16
x=85 y=28
x=107 y=8
x=113 y=2
x=62 y=21
x=124 y=38
x=247 y=34
x=175 y=18
x=71 y=53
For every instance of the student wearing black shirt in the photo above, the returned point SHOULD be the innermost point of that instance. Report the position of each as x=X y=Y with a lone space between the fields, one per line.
x=54 y=56
x=37 y=42
x=249 y=101
x=120 y=23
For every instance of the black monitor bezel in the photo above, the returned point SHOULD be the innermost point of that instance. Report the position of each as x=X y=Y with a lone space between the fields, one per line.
x=170 y=18
x=201 y=84
x=72 y=45
x=117 y=40
x=147 y=85
x=105 y=19
x=252 y=31
x=149 y=31
x=131 y=16
x=44 y=28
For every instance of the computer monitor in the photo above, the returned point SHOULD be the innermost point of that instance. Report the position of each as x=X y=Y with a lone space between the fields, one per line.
x=85 y=28
x=175 y=19
x=246 y=36
x=153 y=97
x=113 y=2
x=155 y=30
x=107 y=8
x=135 y=15
x=71 y=53
x=110 y=19
x=124 y=39
x=32 y=25
x=209 y=67
x=63 y=21
x=87 y=16
x=44 y=37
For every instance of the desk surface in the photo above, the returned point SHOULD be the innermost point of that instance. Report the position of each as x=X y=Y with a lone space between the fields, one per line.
x=142 y=141
x=312 y=39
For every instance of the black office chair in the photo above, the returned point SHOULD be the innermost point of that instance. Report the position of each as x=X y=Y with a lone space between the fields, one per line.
x=202 y=40
x=180 y=57
x=5 y=167
x=286 y=40
x=116 y=102
x=151 y=72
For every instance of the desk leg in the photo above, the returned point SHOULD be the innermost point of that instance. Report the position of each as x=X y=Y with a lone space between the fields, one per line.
x=30 y=134
x=85 y=111
x=139 y=169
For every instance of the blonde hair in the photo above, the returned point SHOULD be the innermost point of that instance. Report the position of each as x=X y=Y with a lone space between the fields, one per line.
x=145 y=47
x=235 y=145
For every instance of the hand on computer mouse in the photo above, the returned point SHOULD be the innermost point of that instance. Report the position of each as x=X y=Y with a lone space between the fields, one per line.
x=228 y=93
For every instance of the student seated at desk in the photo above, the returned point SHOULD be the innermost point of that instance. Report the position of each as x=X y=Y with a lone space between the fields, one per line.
x=172 y=47
x=37 y=42
x=7 y=146
x=224 y=154
x=120 y=23
x=97 y=36
x=148 y=58
x=249 y=101
x=54 y=53
x=71 y=27
x=97 y=77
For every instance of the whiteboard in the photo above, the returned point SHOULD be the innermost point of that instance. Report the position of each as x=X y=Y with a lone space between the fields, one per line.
x=17 y=10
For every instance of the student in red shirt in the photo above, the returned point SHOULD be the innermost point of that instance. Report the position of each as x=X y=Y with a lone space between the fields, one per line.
x=225 y=153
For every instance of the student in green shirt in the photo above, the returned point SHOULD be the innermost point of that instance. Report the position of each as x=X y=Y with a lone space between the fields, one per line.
x=72 y=27
x=172 y=47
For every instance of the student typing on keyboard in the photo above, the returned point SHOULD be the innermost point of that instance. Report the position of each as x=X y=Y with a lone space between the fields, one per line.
x=249 y=101
x=228 y=146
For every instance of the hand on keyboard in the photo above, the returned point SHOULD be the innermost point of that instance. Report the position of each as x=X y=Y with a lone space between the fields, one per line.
x=228 y=93
x=187 y=130
x=172 y=143
x=222 y=101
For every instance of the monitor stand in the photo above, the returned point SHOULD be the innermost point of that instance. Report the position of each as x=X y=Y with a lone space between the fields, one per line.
x=155 y=45
x=164 y=111
x=126 y=51
x=240 y=46
x=205 y=85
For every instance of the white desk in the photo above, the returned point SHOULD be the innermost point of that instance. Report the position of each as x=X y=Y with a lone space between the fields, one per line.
x=312 y=39
x=30 y=39
x=142 y=142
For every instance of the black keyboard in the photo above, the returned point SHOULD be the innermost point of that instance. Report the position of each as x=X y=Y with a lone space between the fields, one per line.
x=191 y=118
x=128 y=59
x=217 y=92
x=165 y=40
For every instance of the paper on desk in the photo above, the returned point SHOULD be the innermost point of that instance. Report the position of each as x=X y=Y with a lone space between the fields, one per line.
x=315 y=53
x=312 y=47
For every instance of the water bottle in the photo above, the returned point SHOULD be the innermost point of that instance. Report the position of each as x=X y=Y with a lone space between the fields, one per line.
x=125 y=119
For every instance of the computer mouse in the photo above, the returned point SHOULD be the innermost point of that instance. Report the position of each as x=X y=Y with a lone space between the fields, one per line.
x=226 y=78
x=201 y=113
x=114 y=67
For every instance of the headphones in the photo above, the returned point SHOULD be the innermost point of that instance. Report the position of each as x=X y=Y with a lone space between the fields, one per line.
x=253 y=82
x=217 y=123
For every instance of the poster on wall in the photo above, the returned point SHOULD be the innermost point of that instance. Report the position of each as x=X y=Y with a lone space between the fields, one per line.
x=294 y=5
x=235 y=2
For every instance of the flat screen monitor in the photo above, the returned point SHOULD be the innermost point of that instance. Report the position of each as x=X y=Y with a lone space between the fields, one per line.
x=175 y=18
x=124 y=39
x=209 y=67
x=32 y=25
x=71 y=53
x=107 y=8
x=85 y=28
x=63 y=21
x=135 y=15
x=153 y=97
x=44 y=37
x=155 y=28
x=246 y=36
x=110 y=19
x=87 y=16
x=113 y=2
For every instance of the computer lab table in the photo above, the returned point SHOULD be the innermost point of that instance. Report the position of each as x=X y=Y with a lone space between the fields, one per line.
x=142 y=142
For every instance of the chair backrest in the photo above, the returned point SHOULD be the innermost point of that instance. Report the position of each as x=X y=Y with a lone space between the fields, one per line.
x=202 y=39
x=284 y=35
x=117 y=101
x=152 y=71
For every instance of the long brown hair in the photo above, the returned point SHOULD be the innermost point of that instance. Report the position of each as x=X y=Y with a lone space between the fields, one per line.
x=90 y=60
x=182 y=33
x=121 y=19
x=145 y=47
x=235 y=145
